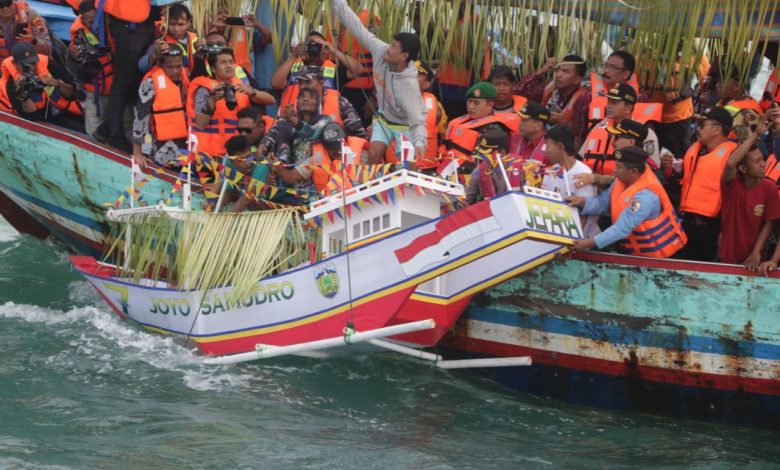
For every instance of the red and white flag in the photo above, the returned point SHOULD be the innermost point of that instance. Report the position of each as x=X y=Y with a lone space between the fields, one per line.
x=449 y=165
x=456 y=229
x=407 y=149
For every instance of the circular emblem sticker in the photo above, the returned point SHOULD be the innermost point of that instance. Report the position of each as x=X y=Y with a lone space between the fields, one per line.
x=327 y=280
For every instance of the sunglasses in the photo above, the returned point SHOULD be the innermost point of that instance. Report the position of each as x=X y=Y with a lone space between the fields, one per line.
x=245 y=130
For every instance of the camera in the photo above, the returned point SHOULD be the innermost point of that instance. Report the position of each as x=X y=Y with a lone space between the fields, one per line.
x=313 y=48
x=29 y=85
x=230 y=97
x=89 y=56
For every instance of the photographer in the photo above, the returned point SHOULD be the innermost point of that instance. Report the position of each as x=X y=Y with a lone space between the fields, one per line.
x=95 y=68
x=235 y=30
x=20 y=23
x=213 y=103
x=160 y=122
x=305 y=55
x=27 y=86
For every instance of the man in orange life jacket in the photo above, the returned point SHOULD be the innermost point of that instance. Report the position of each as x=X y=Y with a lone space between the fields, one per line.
x=702 y=169
x=27 y=86
x=95 y=68
x=332 y=104
x=504 y=79
x=253 y=124
x=435 y=117
x=597 y=150
x=177 y=32
x=20 y=23
x=160 y=122
x=328 y=153
x=463 y=132
x=643 y=219
x=531 y=145
x=311 y=53
x=565 y=96
x=213 y=103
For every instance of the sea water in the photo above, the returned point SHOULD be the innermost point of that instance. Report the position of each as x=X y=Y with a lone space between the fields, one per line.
x=80 y=388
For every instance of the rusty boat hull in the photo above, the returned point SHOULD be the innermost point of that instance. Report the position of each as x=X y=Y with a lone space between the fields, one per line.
x=684 y=339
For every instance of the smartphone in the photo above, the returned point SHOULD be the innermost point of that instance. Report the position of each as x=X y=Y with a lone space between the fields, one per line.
x=234 y=21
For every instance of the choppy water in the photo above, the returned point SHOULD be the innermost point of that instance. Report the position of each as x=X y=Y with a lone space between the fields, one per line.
x=81 y=389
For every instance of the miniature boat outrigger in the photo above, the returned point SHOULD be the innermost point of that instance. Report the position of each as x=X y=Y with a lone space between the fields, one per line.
x=389 y=265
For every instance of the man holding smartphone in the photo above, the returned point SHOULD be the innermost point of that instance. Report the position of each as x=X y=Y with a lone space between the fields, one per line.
x=20 y=23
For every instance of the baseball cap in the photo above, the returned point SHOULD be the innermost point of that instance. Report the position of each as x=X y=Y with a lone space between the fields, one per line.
x=632 y=154
x=624 y=92
x=533 y=110
x=332 y=135
x=24 y=53
x=502 y=71
x=492 y=139
x=718 y=114
x=629 y=128
x=483 y=90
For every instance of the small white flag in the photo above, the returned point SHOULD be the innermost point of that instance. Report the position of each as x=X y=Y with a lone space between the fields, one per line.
x=449 y=165
x=407 y=149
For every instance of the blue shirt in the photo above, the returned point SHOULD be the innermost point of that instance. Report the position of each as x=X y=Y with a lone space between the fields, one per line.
x=645 y=205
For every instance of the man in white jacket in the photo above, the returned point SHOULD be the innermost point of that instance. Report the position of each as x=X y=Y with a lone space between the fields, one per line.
x=401 y=111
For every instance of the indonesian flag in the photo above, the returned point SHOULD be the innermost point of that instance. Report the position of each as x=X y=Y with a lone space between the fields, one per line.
x=407 y=149
x=449 y=165
x=347 y=155
x=451 y=231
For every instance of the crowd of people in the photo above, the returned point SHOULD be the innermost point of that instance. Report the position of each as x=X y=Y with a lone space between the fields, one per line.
x=654 y=172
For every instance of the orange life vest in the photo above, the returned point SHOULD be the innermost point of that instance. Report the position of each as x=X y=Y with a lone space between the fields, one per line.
x=643 y=112
x=773 y=170
x=269 y=122
x=568 y=111
x=132 y=11
x=599 y=149
x=518 y=102
x=432 y=127
x=73 y=4
x=463 y=132
x=223 y=123
x=189 y=53
x=290 y=94
x=676 y=112
x=101 y=84
x=169 y=118
x=330 y=105
x=50 y=94
x=323 y=167
x=701 y=179
x=660 y=237
x=22 y=16
x=773 y=89
x=351 y=47
x=736 y=106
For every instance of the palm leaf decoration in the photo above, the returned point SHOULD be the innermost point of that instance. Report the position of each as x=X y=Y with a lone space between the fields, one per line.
x=668 y=37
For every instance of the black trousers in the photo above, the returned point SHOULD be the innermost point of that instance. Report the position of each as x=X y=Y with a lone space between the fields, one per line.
x=703 y=233
x=131 y=41
x=675 y=136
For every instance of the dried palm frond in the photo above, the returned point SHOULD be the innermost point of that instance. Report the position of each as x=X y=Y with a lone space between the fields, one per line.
x=206 y=250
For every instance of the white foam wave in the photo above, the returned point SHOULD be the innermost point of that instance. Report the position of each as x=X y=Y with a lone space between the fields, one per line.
x=7 y=233
x=117 y=347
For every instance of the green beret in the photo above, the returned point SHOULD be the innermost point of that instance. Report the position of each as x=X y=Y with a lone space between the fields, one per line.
x=483 y=90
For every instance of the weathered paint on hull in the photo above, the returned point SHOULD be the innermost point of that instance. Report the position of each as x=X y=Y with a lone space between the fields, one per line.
x=686 y=339
x=63 y=181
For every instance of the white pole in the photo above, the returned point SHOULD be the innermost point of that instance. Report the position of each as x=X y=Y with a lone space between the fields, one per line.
x=503 y=173
x=221 y=195
x=129 y=230
x=264 y=351
x=489 y=362
x=453 y=364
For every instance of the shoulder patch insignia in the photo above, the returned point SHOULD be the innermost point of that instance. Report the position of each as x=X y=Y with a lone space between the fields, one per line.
x=758 y=210
x=649 y=146
x=635 y=205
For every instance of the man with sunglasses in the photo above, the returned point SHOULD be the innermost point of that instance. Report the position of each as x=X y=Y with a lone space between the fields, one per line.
x=702 y=170
x=20 y=23
x=253 y=124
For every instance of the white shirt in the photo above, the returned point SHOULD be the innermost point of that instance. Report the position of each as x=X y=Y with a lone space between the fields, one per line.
x=565 y=187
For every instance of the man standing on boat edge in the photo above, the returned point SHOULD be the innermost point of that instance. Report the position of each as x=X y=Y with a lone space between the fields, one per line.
x=398 y=94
